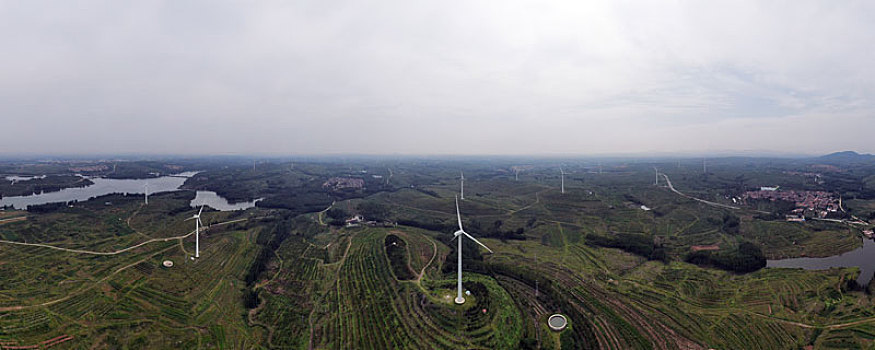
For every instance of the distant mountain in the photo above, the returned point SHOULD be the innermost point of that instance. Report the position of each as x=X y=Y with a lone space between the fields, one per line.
x=847 y=157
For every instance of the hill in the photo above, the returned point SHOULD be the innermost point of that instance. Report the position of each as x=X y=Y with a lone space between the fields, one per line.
x=847 y=157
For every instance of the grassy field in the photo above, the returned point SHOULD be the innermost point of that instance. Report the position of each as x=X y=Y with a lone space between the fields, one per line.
x=128 y=299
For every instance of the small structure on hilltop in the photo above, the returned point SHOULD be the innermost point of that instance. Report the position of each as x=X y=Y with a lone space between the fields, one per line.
x=557 y=322
x=355 y=221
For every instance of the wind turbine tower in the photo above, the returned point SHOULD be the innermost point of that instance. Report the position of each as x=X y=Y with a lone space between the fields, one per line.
x=657 y=177
x=459 y=298
x=704 y=165
x=147 y=193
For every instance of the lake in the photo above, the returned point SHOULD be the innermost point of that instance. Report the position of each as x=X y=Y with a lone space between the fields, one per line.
x=863 y=257
x=103 y=186
x=215 y=201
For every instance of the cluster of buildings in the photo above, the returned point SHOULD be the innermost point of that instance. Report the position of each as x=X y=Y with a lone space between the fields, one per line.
x=340 y=183
x=89 y=168
x=359 y=220
x=808 y=203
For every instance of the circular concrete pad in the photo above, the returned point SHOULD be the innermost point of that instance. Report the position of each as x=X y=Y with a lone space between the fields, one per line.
x=557 y=322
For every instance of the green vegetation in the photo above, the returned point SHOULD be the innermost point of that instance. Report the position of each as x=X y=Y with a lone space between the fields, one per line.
x=289 y=275
x=396 y=251
x=747 y=257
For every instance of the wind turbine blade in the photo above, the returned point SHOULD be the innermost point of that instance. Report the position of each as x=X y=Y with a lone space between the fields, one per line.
x=201 y=211
x=191 y=218
x=476 y=241
x=458 y=215
x=200 y=222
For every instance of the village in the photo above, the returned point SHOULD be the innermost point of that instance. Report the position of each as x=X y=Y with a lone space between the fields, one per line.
x=812 y=204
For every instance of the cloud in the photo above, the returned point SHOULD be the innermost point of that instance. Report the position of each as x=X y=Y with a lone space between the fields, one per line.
x=453 y=77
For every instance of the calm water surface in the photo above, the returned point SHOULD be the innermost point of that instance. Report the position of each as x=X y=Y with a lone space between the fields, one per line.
x=863 y=257
x=215 y=201
x=104 y=186
x=100 y=187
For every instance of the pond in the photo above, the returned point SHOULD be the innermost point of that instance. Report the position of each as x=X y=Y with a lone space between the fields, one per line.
x=863 y=257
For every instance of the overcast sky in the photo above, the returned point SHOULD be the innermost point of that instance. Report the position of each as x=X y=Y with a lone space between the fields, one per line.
x=436 y=77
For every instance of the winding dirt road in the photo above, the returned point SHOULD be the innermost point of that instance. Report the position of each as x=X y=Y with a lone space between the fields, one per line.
x=81 y=251
x=668 y=181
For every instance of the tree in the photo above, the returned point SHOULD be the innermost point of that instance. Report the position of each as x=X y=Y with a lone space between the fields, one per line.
x=337 y=216
x=374 y=211
x=730 y=224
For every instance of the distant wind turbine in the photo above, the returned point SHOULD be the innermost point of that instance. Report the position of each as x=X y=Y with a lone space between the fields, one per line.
x=146 y=186
x=459 y=298
x=197 y=228
x=657 y=177
x=562 y=179
x=462 y=185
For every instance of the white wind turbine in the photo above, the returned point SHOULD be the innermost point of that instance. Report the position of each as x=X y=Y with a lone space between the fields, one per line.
x=657 y=177
x=562 y=178
x=197 y=229
x=462 y=185
x=146 y=186
x=459 y=298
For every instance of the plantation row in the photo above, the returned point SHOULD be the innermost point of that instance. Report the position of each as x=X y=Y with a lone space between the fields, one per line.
x=370 y=309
